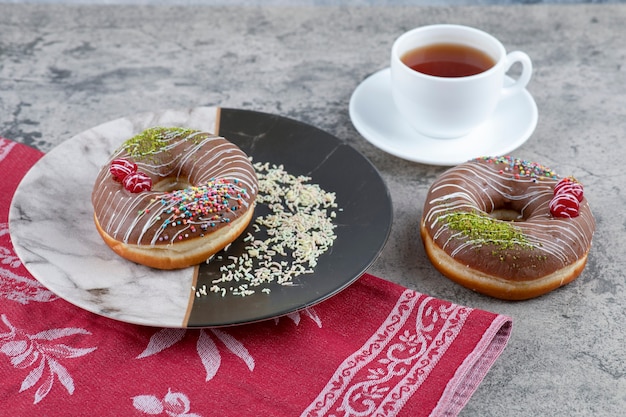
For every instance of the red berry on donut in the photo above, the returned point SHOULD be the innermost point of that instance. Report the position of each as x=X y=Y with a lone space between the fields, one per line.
x=569 y=186
x=137 y=182
x=564 y=205
x=121 y=168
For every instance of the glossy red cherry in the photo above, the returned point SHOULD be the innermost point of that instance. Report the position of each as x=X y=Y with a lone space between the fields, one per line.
x=121 y=168
x=569 y=186
x=564 y=205
x=137 y=182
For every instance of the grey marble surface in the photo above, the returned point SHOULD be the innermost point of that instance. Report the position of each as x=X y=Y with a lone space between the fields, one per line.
x=67 y=68
x=313 y=2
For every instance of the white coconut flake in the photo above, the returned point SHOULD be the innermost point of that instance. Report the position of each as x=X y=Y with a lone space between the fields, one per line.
x=287 y=242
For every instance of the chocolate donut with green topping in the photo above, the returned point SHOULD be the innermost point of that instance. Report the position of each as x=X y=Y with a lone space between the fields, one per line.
x=171 y=197
x=506 y=227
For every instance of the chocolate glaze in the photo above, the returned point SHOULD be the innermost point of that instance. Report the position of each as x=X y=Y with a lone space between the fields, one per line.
x=534 y=245
x=223 y=186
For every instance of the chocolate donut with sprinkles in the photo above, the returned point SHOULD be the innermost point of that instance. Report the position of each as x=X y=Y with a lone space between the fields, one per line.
x=171 y=197
x=506 y=227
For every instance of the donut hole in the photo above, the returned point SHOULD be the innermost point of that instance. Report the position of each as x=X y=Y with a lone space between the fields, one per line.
x=170 y=184
x=509 y=212
x=506 y=214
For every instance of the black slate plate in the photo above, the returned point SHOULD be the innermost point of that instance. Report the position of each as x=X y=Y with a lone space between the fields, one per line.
x=363 y=224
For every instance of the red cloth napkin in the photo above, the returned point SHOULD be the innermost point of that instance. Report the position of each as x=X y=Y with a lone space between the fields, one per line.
x=375 y=349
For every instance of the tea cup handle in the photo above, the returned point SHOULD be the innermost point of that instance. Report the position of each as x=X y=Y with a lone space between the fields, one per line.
x=524 y=78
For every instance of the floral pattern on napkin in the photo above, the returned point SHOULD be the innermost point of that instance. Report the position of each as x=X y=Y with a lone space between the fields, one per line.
x=41 y=355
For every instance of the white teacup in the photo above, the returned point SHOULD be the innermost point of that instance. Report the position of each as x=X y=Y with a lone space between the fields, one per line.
x=452 y=106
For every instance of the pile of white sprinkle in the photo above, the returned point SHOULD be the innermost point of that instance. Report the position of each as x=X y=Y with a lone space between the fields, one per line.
x=285 y=243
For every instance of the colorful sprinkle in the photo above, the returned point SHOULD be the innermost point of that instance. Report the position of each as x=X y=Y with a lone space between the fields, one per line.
x=520 y=168
x=200 y=206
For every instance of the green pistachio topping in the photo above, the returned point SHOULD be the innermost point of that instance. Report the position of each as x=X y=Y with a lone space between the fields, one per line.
x=483 y=229
x=153 y=140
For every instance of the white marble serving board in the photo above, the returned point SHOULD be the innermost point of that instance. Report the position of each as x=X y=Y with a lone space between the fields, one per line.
x=52 y=228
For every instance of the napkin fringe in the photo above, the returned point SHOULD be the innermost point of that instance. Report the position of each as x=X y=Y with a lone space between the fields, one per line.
x=470 y=374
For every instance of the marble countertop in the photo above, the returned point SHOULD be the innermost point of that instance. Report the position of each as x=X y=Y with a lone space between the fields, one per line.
x=67 y=68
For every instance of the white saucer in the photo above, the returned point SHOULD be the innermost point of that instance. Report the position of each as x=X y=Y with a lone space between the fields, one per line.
x=374 y=116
